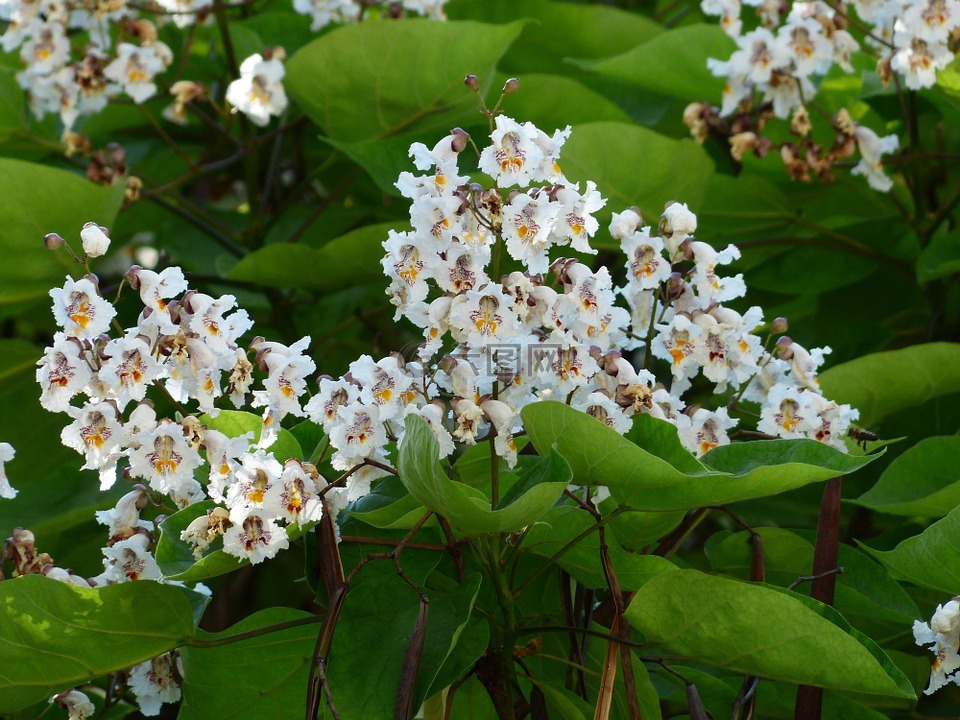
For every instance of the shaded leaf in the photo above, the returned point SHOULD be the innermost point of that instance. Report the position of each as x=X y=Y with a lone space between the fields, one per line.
x=930 y=559
x=673 y=63
x=266 y=675
x=27 y=214
x=339 y=264
x=596 y=151
x=924 y=480
x=380 y=78
x=884 y=383
x=561 y=525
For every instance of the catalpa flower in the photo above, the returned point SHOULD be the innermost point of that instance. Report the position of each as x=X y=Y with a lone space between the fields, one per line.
x=942 y=635
x=165 y=459
x=96 y=434
x=63 y=372
x=254 y=536
x=258 y=93
x=514 y=157
x=79 y=309
x=130 y=560
x=154 y=683
x=6 y=455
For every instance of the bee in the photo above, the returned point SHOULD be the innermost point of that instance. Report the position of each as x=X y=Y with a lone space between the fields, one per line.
x=862 y=436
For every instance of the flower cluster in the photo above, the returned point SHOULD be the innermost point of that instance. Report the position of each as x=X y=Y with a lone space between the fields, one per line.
x=326 y=12
x=184 y=344
x=492 y=342
x=942 y=636
x=772 y=74
x=77 y=55
x=910 y=38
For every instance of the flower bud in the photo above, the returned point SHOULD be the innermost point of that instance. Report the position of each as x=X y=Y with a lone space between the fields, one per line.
x=779 y=326
x=52 y=241
x=94 y=240
x=510 y=86
x=132 y=276
x=784 y=349
x=472 y=82
x=460 y=139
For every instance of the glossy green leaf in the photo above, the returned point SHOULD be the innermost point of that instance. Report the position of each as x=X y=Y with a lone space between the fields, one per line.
x=673 y=63
x=661 y=475
x=467 y=508
x=924 y=480
x=266 y=675
x=380 y=78
x=864 y=588
x=54 y=636
x=27 y=214
x=234 y=423
x=596 y=151
x=562 y=524
x=884 y=383
x=757 y=630
x=930 y=559
x=176 y=559
x=341 y=263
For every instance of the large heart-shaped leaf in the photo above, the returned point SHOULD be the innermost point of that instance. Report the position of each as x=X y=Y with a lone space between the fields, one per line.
x=376 y=79
x=54 y=636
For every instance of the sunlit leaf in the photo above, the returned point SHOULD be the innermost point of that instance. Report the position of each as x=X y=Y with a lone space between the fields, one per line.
x=757 y=630
x=54 y=636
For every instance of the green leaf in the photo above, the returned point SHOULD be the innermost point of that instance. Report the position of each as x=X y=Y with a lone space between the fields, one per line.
x=369 y=644
x=467 y=508
x=341 y=263
x=389 y=505
x=560 y=30
x=234 y=423
x=930 y=559
x=761 y=631
x=54 y=636
x=13 y=118
x=263 y=676
x=662 y=476
x=596 y=151
x=27 y=214
x=379 y=78
x=674 y=63
x=940 y=259
x=176 y=559
x=924 y=480
x=884 y=383
x=864 y=588
x=562 y=524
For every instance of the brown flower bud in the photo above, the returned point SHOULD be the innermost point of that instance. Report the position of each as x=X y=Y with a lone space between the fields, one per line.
x=53 y=241
x=472 y=82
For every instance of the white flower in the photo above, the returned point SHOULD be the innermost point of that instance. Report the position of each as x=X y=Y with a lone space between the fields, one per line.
x=76 y=703
x=96 y=434
x=259 y=93
x=63 y=372
x=79 y=309
x=871 y=148
x=130 y=560
x=943 y=637
x=94 y=240
x=165 y=459
x=527 y=228
x=6 y=454
x=155 y=289
x=705 y=430
x=130 y=369
x=254 y=536
x=514 y=157
x=153 y=683
x=135 y=67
